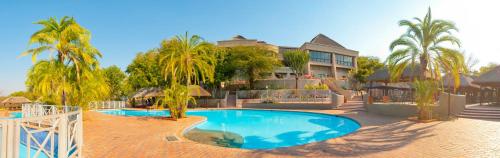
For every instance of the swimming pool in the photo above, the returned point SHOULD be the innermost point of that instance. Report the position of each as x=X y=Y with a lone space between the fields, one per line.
x=264 y=129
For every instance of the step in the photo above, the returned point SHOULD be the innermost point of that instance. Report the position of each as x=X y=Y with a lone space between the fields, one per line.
x=479 y=117
x=480 y=114
x=481 y=111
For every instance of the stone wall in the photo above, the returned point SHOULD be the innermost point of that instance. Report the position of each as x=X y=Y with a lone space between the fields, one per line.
x=288 y=106
x=284 y=83
x=456 y=107
x=406 y=110
x=392 y=109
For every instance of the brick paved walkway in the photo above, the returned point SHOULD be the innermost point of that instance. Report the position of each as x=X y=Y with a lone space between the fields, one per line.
x=116 y=136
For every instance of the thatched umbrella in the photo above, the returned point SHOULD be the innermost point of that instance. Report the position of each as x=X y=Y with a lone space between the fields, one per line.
x=197 y=91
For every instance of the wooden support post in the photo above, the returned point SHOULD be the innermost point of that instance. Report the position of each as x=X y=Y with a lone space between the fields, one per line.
x=481 y=93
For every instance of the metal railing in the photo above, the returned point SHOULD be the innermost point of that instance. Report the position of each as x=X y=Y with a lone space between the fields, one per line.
x=43 y=131
x=107 y=105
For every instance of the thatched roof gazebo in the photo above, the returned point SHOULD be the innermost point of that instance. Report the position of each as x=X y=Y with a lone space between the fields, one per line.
x=466 y=82
x=489 y=79
x=15 y=102
x=149 y=96
x=466 y=87
x=194 y=90
x=383 y=75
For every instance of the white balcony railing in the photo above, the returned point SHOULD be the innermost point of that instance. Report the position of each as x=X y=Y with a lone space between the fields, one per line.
x=43 y=131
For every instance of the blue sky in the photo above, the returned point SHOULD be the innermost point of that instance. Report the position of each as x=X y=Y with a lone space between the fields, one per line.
x=120 y=29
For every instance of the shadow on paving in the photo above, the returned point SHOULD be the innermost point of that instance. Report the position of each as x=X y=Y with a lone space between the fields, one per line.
x=373 y=138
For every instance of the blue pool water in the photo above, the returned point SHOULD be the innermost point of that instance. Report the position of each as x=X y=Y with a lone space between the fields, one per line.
x=266 y=129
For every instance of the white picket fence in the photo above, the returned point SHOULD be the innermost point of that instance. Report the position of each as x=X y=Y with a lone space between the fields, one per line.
x=107 y=105
x=43 y=131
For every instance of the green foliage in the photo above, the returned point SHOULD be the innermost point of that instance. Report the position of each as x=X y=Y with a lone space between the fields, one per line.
x=49 y=79
x=25 y=94
x=425 y=41
x=115 y=78
x=70 y=40
x=73 y=77
x=176 y=99
x=189 y=60
x=425 y=92
x=223 y=70
x=486 y=68
x=367 y=65
x=297 y=60
x=316 y=87
x=145 y=71
x=253 y=61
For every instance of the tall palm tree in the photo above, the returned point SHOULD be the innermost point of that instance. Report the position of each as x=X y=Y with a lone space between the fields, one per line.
x=426 y=41
x=189 y=60
x=71 y=42
x=68 y=39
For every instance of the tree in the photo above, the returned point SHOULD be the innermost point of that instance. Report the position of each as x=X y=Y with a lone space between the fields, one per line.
x=145 y=71
x=186 y=60
x=424 y=95
x=486 y=68
x=367 y=65
x=48 y=80
x=425 y=41
x=297 y=60
x=253 y=61
x=224 y=71
x=115 y=78
x=74 y=56
x=25 y=94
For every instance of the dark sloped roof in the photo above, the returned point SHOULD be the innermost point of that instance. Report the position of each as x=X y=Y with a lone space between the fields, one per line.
x=239 y=37
x=490 y=78
x=465 y=82
x=324 y=40
x=383 y=75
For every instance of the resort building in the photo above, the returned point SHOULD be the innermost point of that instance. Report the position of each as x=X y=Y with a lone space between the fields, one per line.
x=328 y=59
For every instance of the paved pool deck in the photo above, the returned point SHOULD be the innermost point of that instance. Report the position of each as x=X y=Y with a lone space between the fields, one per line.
x=122 y=137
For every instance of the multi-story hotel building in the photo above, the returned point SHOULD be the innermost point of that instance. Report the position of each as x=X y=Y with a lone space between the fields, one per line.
x=328 y=59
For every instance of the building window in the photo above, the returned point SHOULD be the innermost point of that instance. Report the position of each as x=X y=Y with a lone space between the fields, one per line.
x=344 y=60
x=320 y=57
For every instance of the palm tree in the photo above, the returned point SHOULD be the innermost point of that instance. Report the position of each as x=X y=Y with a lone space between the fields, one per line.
x=71 y=42
x=47 y=78
x=426 y=41
x=189 y=60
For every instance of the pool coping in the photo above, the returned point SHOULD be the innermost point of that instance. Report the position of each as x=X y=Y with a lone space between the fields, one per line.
x=181 y=134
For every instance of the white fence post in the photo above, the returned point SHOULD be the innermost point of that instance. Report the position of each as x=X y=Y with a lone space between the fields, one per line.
x=79 y=137
x=63 y=133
